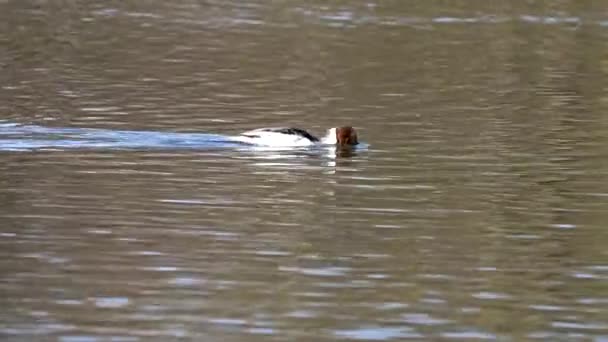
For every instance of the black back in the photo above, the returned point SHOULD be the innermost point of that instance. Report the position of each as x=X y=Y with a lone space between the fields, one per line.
x=293 y=131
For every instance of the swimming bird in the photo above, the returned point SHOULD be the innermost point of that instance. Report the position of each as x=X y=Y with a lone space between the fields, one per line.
x=288 y=136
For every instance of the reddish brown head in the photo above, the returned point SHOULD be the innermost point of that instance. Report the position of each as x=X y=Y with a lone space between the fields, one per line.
x=346 y=136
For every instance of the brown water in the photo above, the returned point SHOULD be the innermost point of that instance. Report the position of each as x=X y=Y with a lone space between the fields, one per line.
x=478 y=212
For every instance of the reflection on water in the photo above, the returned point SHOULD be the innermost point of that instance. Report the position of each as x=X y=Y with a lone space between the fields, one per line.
x=15 y=137
x=477 y=213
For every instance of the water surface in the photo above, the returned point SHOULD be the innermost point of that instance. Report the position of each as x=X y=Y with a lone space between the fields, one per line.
x=477 y=213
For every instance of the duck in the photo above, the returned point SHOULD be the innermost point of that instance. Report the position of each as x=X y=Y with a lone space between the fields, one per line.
x=345 y=136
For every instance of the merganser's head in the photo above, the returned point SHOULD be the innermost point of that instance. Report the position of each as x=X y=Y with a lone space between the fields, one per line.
x=346 y=136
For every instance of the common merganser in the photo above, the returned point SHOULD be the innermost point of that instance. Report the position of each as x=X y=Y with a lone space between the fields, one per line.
x=285 y=136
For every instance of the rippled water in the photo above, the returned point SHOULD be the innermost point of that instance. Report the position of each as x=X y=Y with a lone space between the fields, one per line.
x=478 y=212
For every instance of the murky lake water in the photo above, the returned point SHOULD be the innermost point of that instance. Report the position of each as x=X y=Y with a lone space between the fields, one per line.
x=478 y=211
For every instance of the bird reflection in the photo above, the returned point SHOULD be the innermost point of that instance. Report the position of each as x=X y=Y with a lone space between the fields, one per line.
x=300 y=158
x=345 y=152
